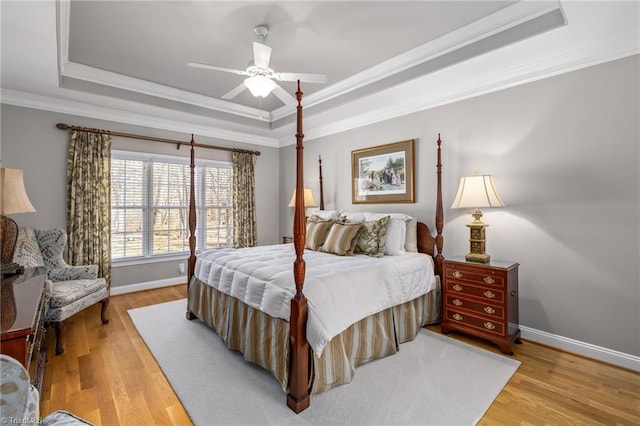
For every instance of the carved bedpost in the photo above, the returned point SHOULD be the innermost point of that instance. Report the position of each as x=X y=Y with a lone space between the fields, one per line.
x=298 y=397
x=192 y=223
x=439 y=214
x=321 y=186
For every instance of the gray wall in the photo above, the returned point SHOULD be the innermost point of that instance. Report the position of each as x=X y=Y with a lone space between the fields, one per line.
x=564 y=152
x=30 y=141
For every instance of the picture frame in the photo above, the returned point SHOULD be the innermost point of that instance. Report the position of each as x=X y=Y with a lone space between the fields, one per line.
x=383 y=174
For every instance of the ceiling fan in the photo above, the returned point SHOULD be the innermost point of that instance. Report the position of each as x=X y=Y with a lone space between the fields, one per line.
x=260 y=78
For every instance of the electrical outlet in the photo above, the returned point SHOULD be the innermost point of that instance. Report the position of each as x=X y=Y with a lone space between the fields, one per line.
x=181 y=268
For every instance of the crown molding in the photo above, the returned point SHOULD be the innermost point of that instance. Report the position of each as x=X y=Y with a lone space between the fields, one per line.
x=69 y=69
x=154 y=117
x=497 y=22
x=119 y=81
x=596 y=29
x=401 y=100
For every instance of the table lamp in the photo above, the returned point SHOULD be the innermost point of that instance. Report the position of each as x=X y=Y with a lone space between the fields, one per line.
x=308 y=199
x=475 y=192
x=14 y=200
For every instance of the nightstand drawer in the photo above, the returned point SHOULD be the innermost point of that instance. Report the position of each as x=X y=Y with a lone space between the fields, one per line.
x=481 y=299
x=454 y=301
x=484 y=276
x=494 y=327
x=490 y=294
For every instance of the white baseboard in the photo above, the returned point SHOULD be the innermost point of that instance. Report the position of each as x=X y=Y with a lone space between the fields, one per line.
x=588 y=350
x=130 y=288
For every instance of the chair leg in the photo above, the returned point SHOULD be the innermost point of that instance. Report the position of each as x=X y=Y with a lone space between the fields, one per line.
x=103 y=311
x=59 y=327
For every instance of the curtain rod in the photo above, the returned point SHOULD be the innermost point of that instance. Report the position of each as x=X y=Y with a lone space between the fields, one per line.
x=178 y=143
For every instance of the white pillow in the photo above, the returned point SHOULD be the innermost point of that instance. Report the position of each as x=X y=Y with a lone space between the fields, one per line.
x=396 y=232
x=356 y=217
x=376 y=216
x=325 y=214
x=411 y=238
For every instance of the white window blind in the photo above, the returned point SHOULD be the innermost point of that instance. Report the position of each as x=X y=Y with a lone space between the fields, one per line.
x=150 y=205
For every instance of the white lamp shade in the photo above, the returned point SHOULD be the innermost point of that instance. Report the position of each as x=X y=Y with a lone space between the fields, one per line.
x=477 y=191
x=14 y=195
x=308 y=199
x=259 y=86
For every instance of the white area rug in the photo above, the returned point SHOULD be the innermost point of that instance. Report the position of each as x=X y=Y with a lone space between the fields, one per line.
x=433 y=380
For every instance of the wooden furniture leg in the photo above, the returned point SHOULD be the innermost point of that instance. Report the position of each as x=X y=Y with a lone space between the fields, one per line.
x=103 y=311
x=59 y=328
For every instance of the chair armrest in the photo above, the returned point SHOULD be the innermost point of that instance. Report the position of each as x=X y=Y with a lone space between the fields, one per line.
x=89 y=272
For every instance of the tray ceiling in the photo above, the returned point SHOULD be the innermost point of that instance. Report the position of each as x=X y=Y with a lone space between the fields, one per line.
x=132 y=56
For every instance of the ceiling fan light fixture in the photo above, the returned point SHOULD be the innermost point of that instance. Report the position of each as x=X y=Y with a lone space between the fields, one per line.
x=259 y=86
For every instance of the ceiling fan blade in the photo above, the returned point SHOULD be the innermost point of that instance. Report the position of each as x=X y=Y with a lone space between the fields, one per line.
x=302 y=76
x=234 y=92
x=261 y=55
x=216 y=68
x=283 y=95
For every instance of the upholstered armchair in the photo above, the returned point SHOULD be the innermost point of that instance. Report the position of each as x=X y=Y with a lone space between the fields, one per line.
x=21 y=400
x=72 y=288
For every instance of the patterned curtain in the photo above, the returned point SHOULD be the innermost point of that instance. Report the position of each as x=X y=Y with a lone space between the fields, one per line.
x=89 y=201
x=244 y=201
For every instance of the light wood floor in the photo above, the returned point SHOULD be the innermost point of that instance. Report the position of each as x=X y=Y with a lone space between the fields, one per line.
x=108 y=376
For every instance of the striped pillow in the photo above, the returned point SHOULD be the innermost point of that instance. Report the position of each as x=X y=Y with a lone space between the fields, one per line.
x=317 y=231
x=342 y=239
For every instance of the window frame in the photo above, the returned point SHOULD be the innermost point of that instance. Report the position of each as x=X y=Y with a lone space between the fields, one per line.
x=147 y=240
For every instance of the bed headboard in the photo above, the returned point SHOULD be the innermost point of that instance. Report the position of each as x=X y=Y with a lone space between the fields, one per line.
x=426 y=241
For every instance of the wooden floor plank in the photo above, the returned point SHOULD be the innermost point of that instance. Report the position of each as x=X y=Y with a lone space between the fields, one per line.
x=108 y=376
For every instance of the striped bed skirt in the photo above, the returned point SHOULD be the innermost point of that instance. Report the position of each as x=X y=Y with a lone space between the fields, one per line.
x=263 y=340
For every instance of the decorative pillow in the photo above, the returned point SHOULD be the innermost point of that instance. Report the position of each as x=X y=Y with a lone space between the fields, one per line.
x=396 y=232
x=372 y=238
x=317 y=231
x=325 y=214
x=28 y=252
x=342 y=238
x=411 y=238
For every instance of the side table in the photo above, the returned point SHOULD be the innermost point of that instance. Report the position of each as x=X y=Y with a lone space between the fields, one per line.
x=23 y=328
x=481 y=299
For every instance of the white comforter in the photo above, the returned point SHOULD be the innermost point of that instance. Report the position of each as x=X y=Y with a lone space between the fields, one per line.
x=340 y=290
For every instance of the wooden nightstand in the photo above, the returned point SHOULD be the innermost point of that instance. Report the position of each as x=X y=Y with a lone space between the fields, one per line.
x=481 y=299
x=287 y=239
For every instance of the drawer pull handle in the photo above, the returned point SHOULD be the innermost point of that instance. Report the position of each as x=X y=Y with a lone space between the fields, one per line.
x=457 y=316
x=489 y=294
x=489 y=326
x=489 y=280
x=457 y=302
x=457 y=287
x=457 y=274
x=489 y=310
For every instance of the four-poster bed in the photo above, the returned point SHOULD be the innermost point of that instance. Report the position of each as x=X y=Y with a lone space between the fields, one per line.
x=277 y=339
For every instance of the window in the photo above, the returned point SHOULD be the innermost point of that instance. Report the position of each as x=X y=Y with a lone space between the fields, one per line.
x=150 y=205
